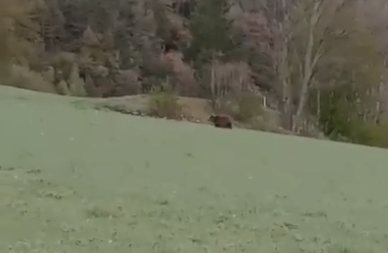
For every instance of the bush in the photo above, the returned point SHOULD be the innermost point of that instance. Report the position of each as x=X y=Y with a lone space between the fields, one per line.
x=163 y=103
x=244 y=107
x=371 y=135
x=249 y=106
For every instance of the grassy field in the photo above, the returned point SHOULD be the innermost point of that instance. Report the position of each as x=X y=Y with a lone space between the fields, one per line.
x=85 y=181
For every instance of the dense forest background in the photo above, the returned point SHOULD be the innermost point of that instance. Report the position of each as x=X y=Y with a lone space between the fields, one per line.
x=320 y=66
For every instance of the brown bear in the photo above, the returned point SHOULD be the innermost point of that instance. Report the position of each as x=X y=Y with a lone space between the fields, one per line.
x=221 y=121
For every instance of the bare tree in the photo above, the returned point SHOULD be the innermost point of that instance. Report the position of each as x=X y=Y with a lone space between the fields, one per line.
x=303 y=31
x=297 y=47
x=313 y=52
x=278 y=16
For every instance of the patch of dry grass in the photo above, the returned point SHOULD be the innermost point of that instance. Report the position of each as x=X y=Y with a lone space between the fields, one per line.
x=22 y=77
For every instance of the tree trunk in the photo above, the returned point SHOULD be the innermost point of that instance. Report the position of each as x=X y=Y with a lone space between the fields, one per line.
x=309 y=62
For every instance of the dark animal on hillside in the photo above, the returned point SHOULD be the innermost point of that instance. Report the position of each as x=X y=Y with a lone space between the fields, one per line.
x=221 y=121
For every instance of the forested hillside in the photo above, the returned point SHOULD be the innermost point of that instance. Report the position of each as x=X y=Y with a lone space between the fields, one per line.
x=307 y=67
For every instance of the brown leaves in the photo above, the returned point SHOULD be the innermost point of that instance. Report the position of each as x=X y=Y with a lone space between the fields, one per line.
x=186 y=83
x=16 y=29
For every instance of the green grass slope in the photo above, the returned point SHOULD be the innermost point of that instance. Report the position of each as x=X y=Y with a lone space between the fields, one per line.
x=86 y=181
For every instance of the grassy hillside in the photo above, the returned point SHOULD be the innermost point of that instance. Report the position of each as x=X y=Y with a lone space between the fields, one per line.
x=87 y=181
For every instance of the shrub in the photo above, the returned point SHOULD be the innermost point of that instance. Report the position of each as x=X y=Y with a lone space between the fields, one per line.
x=249 y=106
x=244 y=107
x=163 y=103
x=371 y=135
